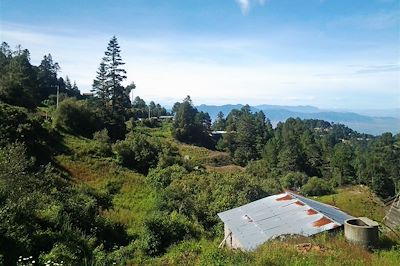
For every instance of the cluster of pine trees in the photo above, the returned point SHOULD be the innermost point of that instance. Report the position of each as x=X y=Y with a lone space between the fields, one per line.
x=334 y=153
x=24 y=84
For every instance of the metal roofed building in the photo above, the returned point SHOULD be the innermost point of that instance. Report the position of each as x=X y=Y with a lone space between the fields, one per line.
x=248 y=226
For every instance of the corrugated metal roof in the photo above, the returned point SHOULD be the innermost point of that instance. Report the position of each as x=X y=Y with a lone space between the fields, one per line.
x=287 y=213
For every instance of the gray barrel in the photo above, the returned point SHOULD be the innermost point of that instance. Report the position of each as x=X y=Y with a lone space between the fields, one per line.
x=361 y=231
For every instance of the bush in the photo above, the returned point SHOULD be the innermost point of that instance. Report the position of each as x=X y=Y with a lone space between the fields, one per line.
x=202 y=195
x=162 y=177
x=116 y=126
x=48 y=217
x=271 y=186
x=168 y=154
x=77 y=118
x=16 y=125
x=316 y=187
x=258 y=169
x=60 y=253
x=161 y=231
x=136 y=152
x=103 y=141
x=294 y=180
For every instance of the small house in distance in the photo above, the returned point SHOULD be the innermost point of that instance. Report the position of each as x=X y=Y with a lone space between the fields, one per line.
x=166 y=117
x=248 y=226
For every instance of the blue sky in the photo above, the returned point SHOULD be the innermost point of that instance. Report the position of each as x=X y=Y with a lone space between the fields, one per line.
x=328 y=53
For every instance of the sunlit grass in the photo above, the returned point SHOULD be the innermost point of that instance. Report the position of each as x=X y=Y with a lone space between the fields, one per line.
x=323 y=249
x=135 y=200
x=200 y=155
x=227 y=169
x=357 y=201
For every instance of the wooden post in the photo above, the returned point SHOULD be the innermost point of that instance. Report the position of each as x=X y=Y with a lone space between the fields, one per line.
x=223 y=241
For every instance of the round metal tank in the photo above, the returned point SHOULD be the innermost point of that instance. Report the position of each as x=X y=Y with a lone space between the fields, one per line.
x=361 y=231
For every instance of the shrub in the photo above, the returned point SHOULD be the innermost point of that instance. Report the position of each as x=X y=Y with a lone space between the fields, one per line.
x=136 y=152
x=76 y=117
x=103 y=141
x=271 y=186
x=258 y=169
x=102 y=136
x=316 y=187
x=161 y=231
x=161 y=177
x=202 y=195
x=16 y=125
x=116 y=126
x=294 y=180
x=42 y=214
x=168 y=154
x=60 y=253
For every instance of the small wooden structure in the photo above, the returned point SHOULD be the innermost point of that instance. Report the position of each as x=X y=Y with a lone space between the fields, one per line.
x=392 y=217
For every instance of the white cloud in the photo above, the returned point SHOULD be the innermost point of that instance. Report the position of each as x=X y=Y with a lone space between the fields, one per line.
x=245 y=5
x=212 y=70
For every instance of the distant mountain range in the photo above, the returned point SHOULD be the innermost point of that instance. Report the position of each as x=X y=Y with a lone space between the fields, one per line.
x=362 y=123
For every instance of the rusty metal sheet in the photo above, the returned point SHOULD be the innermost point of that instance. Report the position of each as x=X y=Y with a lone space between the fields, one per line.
x=286 y=213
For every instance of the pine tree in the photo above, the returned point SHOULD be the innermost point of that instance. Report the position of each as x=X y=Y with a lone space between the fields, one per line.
x=188 y=124
x=220 y=122
x=113 y=96
x=100 y=86
x=107 y=85
x=17 y=78
x=47 y=76
x=115 y=75
x=68 y=85
x=75 y=90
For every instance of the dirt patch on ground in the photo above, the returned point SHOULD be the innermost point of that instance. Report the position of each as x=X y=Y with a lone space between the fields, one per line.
x=309 y=247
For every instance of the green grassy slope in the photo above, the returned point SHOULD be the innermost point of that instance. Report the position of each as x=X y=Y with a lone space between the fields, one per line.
x=357 y=201
x=134 y=200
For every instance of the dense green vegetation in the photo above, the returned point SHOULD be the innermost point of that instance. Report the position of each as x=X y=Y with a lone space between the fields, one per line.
x=89 y=183
x=190 y=125
x=334 y=153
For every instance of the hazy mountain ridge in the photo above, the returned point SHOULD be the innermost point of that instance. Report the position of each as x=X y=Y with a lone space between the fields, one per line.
x=277 y=113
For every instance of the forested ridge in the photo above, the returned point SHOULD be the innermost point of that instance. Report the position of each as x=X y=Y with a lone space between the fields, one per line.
x=101 y=180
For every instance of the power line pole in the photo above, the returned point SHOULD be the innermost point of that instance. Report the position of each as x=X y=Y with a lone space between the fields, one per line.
x=149 y=112
x=58 y=94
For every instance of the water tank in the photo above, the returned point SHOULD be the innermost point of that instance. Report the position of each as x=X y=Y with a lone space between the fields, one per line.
x=361 y=231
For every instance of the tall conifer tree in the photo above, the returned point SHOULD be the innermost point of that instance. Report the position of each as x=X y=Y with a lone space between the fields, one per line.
x=115 y=75
x=114 y=97
x=110 y=75
x=100 y=86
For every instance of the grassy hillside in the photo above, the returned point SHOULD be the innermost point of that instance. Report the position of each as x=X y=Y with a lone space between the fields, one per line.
x=324 y=249
x=357 y=201
x=134 y=200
